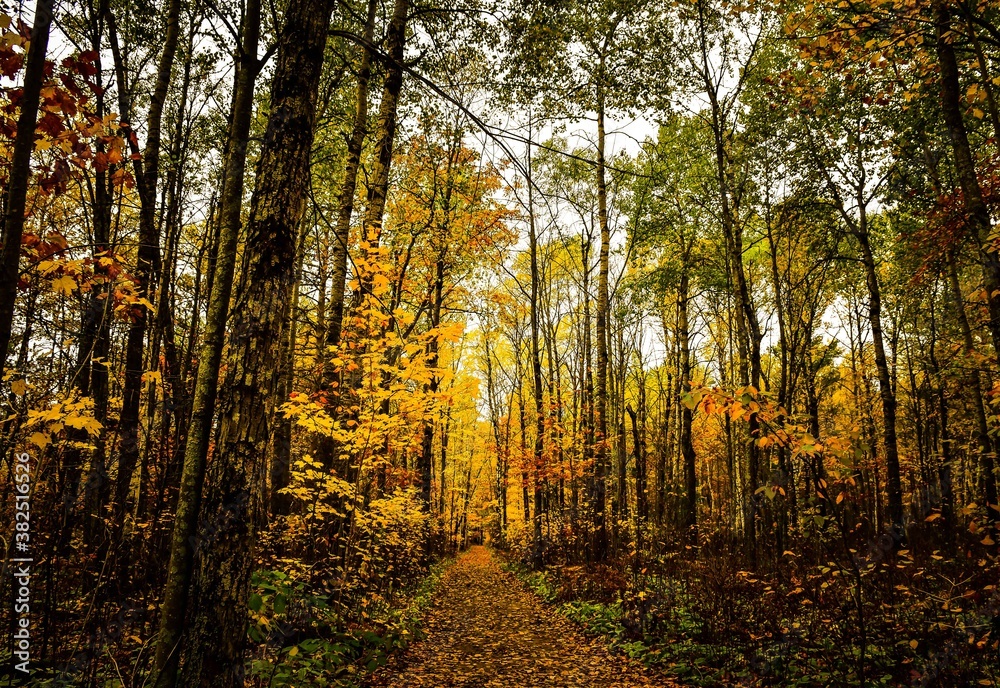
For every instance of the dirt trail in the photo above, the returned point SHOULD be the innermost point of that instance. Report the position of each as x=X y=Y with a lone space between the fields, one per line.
x=486 y=631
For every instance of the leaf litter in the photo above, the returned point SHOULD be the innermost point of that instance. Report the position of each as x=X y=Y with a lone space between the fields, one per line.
x=486 y=631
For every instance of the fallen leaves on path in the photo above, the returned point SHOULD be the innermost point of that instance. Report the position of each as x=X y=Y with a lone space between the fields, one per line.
x=486 y=631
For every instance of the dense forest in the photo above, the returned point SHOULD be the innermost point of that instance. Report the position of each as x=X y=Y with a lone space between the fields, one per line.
x=683 y=316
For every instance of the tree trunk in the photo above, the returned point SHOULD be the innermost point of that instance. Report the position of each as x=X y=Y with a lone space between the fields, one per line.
x=445 y=434
x=690 y=517
x=945 y=441
x=184 y=545
x=19 y=175
x=281 y=460
x=355 y=145
x=96 y=489
x=234 y=501
x=146 y=268
x=522 y=427
x=886 y=393
x=986 y=449
x=378 y=189
x=426 y=463
x=965 y=167
x=94 y=340
x=163 y=329
x=536 y=375
x=639 y=456
x=786 y=478
x=748 y=326
x=587 y=382
x=601 y=333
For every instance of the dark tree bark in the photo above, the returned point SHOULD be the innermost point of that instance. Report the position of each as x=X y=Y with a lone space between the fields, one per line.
x=355 y=145
x=235 y=495
x=378 y=189
x=986 y=446
x=147 y=266
x=91 y=373
x=886 y=391
x=748 y=325
x=600 y=546
x=639 y=456
x=501 y=447
x=426 y=459
x=944 y=439
x=16 y=193
x=965 y=166
x=234 y=503
x=184 y=545
x=690 y=516
x=665 y=449
x=177 y=404
x=536 y=375
x=281 y=460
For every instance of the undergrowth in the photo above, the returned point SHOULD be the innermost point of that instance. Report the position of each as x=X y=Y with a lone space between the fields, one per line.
x=676 y=636
x=301 y=640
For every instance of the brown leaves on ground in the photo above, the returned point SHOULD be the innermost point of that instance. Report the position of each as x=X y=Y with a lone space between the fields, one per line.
x=486 y=631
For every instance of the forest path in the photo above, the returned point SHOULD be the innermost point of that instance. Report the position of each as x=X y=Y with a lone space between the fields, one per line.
x=486 y=631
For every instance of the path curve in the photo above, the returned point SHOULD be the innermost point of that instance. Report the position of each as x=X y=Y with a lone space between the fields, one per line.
x=485 y=630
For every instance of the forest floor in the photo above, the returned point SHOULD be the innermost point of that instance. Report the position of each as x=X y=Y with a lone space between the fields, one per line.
x=486 y=631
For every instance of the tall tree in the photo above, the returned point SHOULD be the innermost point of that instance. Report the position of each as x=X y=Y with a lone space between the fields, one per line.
x=234 y=499
x=180 y=569
x=355 y=145
x=147 y=265
x=19 y=176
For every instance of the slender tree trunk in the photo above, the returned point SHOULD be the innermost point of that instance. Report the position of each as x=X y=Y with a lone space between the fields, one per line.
x=965 y=167
x=747 y=323
x=945 y=468
x=523 y=432
x=639 y=456
x=601 y=333
x=19 y=175
x=378 y=189
x=886 y=391
x=281 y=460
x=665 y=452
x=234 y=502
x=812 y=409
x=147 y=266
x=986 y=449
x=445 y=436
x=690 y=519
x=784 y=461
x=555 y=410
x=355 y=145
x=501 y=478
x=92 y=368
x=536 y=375
x=426 y=463
x=163 y=328
x=587 y=382
x=97 y=480
x=183 y=542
